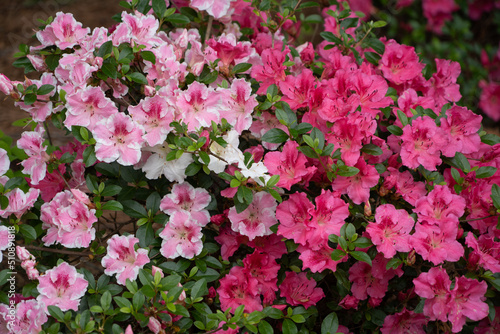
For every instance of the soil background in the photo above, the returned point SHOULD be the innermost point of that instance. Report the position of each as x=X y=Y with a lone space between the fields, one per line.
x=18 y=23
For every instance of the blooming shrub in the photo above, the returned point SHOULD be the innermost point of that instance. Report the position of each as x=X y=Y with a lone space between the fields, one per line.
x=220 y=176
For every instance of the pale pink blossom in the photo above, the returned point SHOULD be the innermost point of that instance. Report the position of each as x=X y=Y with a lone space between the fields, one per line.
x=257 y=218
x=216 y=8
x=62 y=286
x=157 y=165
x=28 y=317
x=19 y=202
x=5 y=239
x=4 y=161
x=238 y=105
x=32 y=144
x=64 y=32
x=118 y=138
x=181 y=237
x=122 y=259
x=185 y=198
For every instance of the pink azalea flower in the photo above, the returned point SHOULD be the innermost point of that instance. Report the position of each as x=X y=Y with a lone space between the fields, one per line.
x=185 y=198
x=181 y=237
x=358 y=186
x=264 y=269
x=264 y=123
x=87 y=107
x=293 y=215
x=489 y=327
x=198 y=106
x=290 y=165
x=272 y=71
x=440 y=205
x=300 y=290
x=167 y=67
x=118 y=138
x=238 y=288
x=256 y=220
x=468 y=302
x=422 y=144
x=296 y=90
x=404 y=185
x=438 y=12
x=434 y=286
x=404 y=322
x=154 y=114
x=5 y=241
x=437 y=243
x=64 y=32
x=487 y=251
x=230 y=51
x=68 y=221
x=138 y=28
x=370 y=281
x=122 y=259
x=400 y=63
x=391 y=230
x=463 y=126
x=371 y=90
x=409 y=99
x=272 y=245
x=489 y=101
x=238 y=105
x=62 y=286
x=32 y=144
x=28 y=317
x=6 y=85
x=318 y=258
x=443 y=84
x=19 y=202
x=230 y=241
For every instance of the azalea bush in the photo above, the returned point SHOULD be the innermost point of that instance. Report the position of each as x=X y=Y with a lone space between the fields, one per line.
x=222 y=175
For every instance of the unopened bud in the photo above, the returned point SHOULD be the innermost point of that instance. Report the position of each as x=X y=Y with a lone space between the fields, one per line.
x=410 y=260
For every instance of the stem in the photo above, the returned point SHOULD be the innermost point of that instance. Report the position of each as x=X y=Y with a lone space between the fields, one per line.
x=209 y=30
x=471 y=220
x=59 y=251
x=362 y=39
x=48 y=132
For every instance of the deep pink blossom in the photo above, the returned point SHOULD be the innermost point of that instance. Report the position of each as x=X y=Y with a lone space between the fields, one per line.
x=118 y=138
x=296 y=90
x=462 y=126
x=404 y=185
x=290 y=165
x=400 y=63
x=422 y=143
x=391 y=230
x=437 y=12
x=272 y=71
x=468 y=302
x=443 y=84
x=181 y=237
x=237 y=288
x=487 y=251
x=294 y=215
x=62 y=286
x=122 y=259
x=300 y=290
x=404 y=322
x=440 y=205
x=437 y=243
x=255 y=220
x=358 y=186
x=489 y=327
x=264 y=269
x=318 y=258
x=489 y=100
x=372 y=280
x=230 y=241
x=434 y=286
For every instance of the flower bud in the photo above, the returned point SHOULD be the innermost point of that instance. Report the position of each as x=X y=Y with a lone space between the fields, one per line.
x=154 y=325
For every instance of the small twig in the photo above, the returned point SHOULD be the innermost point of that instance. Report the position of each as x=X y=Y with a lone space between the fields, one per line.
x=209 y=30
x=59 y=251
x=48 y=132
x=471 y=220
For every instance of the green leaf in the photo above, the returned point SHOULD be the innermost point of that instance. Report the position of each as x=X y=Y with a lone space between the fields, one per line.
x=393 y=263
x=376 y=45
x=149 y=56
x=490 y=139
x=361 y=256
x=372 y=57
x=199 y=288
x=272 y=90
x=395 y=130
x=52 y=61
x=379 y=24
x=289 y=327
x=56 y=313
x=275 y=136
x=112 y=205
x=242 y=67
x=347 y=171
x=485 y=171
x=330 y=324
x=159 y=7
x=403 y=118
x=153 y=202
x=134 y=209
x=455 y=174
x=89 y=157
x=372 y=149
x=28 y=231
x=106 y=300
x=362 y=242
x=178 y=19
x=349 y=23
x=137 y=77
x=462 y=162
x=337 y=254
x=495 y=196
x=29 y=99
x=265 y=327
x=138 y=300
x=111 y=190
x=245 y=194
x=192 y=169
x=146 y=235
x=109 y=68
x=45 y=89
x=105 y=49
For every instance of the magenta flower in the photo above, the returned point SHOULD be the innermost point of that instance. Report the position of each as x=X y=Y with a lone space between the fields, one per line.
x=294 y=215
x=181 y=237
x=118 y=138
x=444 y=87
x=264 y=269
x=122 y=259
x=422 y=144
x=462 y=125
x=391 y=230
x=296 y=90
x=404 y=322
x=434 y=286
x=256 y=220
x=238 y=288
x=300 y=290
x=272 y=71
x=439 y=206
x=62 y=286
x=437 y=243
x=358 y=186
x=185 y=198
x=318 y=258
x=489 y=101
x=369 y=280
x=290 y=165
x=400 y=63
x=486 y=249
x=468 y=302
